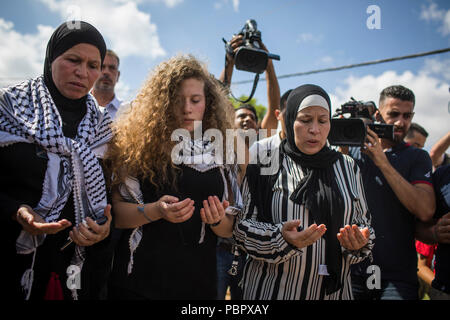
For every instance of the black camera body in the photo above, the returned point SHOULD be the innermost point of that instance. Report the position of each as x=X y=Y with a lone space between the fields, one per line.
x=357 y=109
x=352 y=131
x=249 y=57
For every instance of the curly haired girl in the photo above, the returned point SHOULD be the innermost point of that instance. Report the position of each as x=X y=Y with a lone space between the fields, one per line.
x=173 y=212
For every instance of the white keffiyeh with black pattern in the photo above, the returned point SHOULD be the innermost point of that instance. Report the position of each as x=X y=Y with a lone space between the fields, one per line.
x=28 y=114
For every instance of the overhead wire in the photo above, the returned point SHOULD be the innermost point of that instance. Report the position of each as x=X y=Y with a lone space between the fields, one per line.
x=367 y=63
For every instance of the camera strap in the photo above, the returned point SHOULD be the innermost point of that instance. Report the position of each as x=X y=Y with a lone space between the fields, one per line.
x=226 y=83
x=255 y=84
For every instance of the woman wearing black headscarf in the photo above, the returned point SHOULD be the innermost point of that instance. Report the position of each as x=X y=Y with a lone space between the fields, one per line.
x=51 y=135
x=307 y=221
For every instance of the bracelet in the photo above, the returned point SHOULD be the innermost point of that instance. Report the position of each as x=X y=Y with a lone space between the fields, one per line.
x=215 y=224
x=141 y=209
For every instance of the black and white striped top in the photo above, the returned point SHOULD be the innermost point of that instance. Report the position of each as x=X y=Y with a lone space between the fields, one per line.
x=275 y=269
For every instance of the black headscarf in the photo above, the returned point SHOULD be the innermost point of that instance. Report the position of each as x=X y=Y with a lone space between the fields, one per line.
x=65 y=37
x=318 y=190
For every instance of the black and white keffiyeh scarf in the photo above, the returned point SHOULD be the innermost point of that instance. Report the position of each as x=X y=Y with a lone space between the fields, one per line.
x=28 y=114
x=196 y=154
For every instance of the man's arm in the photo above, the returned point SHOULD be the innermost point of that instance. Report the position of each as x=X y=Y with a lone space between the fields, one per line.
x=418 y=198
x=227 y=72
x=434 y=231
x=437 y=151
x=270 y=121
x=423 y=271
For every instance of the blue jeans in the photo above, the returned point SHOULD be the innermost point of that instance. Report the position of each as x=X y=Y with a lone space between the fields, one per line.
x=390 y=290
x=225 y=280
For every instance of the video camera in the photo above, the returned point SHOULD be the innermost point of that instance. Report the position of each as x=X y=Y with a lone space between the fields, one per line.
x=352 y=131
x=249 y=57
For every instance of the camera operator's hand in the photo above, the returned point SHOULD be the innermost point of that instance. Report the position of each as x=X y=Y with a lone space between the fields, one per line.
x=262 y=46
x=374 y=149
x=235 y=43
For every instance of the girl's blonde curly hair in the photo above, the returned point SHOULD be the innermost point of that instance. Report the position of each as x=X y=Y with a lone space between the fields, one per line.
x=142 y=146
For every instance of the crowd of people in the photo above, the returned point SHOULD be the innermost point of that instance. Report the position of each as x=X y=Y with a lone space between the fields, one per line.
x=104 y=199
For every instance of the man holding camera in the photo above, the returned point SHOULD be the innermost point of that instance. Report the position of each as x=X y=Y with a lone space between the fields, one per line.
x=270 y=121
x=398 y=188
x=245 y=119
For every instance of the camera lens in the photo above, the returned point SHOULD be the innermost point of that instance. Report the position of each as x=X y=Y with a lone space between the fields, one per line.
x=352 y=132
x=347 y=132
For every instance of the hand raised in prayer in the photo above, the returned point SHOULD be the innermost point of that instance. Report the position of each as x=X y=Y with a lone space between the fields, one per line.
x=213 y=210
x=304 y=238
x=33 y=224
x=89 y=233
x=173 y=210
x=351 y=238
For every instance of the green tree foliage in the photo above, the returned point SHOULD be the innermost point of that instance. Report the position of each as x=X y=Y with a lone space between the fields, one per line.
x=260 y=109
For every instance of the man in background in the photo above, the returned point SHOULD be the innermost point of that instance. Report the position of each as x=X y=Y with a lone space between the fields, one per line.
x=266 y=147
x=416 y=136
x=104 y=87
x=399 y=191
x=438 y=154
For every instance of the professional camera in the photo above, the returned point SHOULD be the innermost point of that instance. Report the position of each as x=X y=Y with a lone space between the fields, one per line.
x=352 y=131
x=249 y=57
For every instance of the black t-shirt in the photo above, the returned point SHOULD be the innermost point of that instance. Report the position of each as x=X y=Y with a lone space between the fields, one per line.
x=441 y=182
x=169 y=262
x=446 y=159
x=394 y=251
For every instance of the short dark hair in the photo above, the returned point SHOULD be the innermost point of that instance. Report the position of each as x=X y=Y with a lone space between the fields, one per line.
x=398 y=92
x=113 y=54
x=283 y=100
x=248 y=107
x=418 y=128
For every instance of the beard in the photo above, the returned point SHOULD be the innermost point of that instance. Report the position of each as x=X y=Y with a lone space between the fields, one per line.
x=401 y=134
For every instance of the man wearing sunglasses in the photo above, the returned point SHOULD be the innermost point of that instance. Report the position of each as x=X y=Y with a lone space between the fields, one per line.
x=398 y=188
